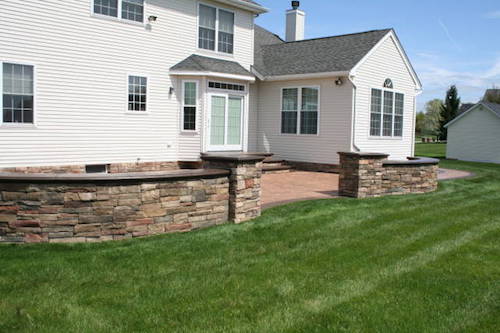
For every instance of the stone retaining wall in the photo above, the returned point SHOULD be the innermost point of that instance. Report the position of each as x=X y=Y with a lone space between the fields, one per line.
x=112 y=168
x=77 y=210
x=371 y=174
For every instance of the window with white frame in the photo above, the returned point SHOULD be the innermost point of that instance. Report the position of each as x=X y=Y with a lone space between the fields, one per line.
x=132 y=10
x=137 y=93
x=215 y=29
x=17 y=94
x=189 y=106
x=386 y=114
x=300 y=110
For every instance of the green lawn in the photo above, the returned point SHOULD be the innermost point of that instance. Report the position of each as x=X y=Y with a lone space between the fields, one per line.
x=437 y=150
x=418 y=263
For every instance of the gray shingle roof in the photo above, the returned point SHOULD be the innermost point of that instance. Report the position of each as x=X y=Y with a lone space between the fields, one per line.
x=198 y=63
x=464 y=108
x=274 y=57
x=493 y=107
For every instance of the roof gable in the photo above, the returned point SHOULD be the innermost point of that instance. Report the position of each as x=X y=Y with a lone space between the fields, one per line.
x=396 y=42
x=493 y=107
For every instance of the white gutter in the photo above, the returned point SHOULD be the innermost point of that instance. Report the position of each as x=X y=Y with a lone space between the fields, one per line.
x=245 y=5
x=354 y=91
x=214 y=74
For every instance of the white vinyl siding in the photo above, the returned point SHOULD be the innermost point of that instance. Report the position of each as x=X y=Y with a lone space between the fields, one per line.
x=385 y=62
x=216 y=29
x=81 y=96
x=474 y=137
x=334 y=127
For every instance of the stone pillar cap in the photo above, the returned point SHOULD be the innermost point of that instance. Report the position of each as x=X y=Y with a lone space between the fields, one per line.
x=233 y=157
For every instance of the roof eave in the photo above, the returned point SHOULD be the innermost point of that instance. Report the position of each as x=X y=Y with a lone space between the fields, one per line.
x=256 y=9
x=289 y=77
x=213 y=74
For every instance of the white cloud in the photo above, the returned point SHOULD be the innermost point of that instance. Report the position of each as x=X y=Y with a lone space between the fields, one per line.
x=436 y=78
x=493 y=15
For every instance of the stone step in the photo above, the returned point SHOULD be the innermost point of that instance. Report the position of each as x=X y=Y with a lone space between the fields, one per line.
x=279 y=168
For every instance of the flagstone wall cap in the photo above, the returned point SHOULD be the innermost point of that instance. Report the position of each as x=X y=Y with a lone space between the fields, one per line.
x=413 y=161
x=112 y=177
x=364 y=154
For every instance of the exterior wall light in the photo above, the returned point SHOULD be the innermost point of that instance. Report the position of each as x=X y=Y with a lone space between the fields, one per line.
x=339 y=81
x=152 y=18
x=171 y=90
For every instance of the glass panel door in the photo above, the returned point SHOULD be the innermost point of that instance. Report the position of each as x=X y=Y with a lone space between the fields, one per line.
x=234 y=121
x=226 y=123
x=218 y=121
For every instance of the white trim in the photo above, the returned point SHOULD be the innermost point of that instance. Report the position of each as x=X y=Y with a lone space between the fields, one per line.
x=213 y=74
x=139 y=112
x=34 y=124
x=118 y=17
x=304 y=76
x=197 y=106
x=216 y=46
x=469 y=110
x=401 y=51
x=245 y=5
x=299 y=110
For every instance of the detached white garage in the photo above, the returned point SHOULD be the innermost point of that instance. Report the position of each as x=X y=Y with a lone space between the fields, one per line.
x=475 y=134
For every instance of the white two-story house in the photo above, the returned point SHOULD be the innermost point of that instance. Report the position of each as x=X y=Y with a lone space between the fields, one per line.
x=99 y=82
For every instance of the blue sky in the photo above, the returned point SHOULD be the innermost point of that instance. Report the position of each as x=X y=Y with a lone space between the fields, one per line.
x=448 y=41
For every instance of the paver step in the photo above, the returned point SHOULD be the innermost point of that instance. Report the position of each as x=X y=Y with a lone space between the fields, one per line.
x=279 y=168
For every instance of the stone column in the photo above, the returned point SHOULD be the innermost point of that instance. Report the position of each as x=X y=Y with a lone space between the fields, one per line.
x=244 y=182
x=361 y=174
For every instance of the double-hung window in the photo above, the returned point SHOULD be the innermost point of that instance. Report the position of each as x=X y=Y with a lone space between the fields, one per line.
x=17 y=93
x=189 y=106
x=386 y=114
x=215 y=29
x=300 y=110
x=132 y=10
x=137 y=93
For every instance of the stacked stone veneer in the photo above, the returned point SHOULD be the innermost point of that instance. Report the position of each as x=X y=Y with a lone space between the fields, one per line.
x=245 y=183
x=69 y=209
x=371 y=174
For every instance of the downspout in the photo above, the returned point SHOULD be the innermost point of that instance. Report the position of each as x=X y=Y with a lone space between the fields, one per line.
x=353 y=130
x=418 y=92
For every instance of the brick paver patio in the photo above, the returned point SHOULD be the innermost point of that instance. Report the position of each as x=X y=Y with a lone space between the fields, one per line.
x=281 y=188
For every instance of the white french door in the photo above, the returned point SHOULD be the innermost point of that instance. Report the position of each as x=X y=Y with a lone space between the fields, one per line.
x=225 y=122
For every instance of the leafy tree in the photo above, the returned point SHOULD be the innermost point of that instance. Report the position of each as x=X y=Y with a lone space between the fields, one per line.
x=432 y=117
x=419 y=124
x=449 y=110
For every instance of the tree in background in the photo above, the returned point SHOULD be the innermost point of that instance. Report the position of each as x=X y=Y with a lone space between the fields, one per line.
x=449 y=110
x=432 y=117
x=419 y=124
